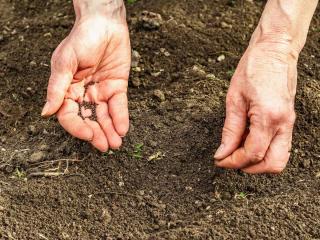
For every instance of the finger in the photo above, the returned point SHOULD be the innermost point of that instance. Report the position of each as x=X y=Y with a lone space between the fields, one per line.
x=72 y=123
x=106 y=124
x=234 y=127
x=276 y=157
x=253 y=151
x=99 y=140
x=57 y=88
x=63 y=65
x=118 y=109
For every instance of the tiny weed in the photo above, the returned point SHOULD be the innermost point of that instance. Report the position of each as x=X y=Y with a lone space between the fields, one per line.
x=131 y=1
x=241 y=195
x=137 y=152
x=19 y=173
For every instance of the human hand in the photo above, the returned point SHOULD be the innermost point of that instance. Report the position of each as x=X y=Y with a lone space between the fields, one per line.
x=261 y=93
x=89 y=77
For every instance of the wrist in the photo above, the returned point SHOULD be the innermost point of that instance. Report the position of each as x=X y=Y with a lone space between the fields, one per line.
x=284 y=25
x=109 y=9
x=281 y=43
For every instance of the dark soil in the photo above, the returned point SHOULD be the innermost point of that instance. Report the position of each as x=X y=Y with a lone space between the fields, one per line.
x=170 y=189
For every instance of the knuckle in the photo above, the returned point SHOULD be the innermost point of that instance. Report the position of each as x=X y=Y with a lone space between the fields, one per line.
x=277 y=113
x=257 y=156
x=233 y=101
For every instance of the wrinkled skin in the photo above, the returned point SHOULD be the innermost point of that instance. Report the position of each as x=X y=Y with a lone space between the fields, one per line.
x=96 y=51
x=261 y=95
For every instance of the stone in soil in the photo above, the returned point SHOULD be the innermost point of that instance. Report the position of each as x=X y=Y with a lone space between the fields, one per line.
x=37 y=157
x=160 y=95
x=135 y=58
x=150 y=20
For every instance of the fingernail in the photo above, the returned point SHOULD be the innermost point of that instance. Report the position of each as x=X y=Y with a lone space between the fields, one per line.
x=219 y=152
x=45 y=109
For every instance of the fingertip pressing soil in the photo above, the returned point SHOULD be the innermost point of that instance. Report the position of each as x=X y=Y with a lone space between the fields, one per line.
x=162 y=183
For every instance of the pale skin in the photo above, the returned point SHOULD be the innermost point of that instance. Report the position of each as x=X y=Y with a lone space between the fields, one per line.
x=261 y=94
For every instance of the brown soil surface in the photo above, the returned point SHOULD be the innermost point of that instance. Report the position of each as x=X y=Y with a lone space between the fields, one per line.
x=168 y=188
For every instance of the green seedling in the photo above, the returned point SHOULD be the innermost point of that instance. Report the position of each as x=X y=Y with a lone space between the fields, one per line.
x=240 y=195
x=137 y=152
x=19 y=173
x=131 y=1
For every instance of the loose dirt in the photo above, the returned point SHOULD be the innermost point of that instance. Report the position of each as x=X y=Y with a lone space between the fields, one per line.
x=173 y=191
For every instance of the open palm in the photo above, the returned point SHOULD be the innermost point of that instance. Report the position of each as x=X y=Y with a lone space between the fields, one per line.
x=88 y=83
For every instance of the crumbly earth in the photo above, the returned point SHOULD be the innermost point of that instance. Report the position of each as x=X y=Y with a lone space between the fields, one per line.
x=168 y=188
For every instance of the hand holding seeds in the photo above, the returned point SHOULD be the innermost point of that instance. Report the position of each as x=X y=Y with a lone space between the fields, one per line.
x=89 y=77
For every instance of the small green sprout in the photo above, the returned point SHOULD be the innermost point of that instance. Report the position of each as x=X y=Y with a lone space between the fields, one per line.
x=19 y=173
x=131 y=1
x=241 y=195
x=137 y=152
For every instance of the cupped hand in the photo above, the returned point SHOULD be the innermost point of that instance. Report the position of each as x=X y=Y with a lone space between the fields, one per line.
x=261 y=96
x=91 y=68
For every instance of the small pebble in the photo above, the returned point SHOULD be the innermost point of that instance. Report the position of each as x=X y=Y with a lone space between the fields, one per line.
x=32 y=129
x=198 y=70
x=211 y=76
x=48 y=34
x=153 y=143
x=3 y=139
x=167 y=54
x=156 y=74
x=150 y=20
x=137 y=69
x=37 y=157
x=44 y=147
x=226 y=25
x=105 y=216
x=135 y=58
x=136 y=82
x=221 y=58
x=121 y=184
x=33 y=63
x=160 y=95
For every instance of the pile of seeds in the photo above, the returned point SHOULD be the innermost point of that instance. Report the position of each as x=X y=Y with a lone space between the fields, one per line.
x=88 y=105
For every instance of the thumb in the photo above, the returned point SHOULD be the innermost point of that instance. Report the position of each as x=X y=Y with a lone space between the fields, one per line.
x=57 y=88
x=62 y=65
x=234 y=126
